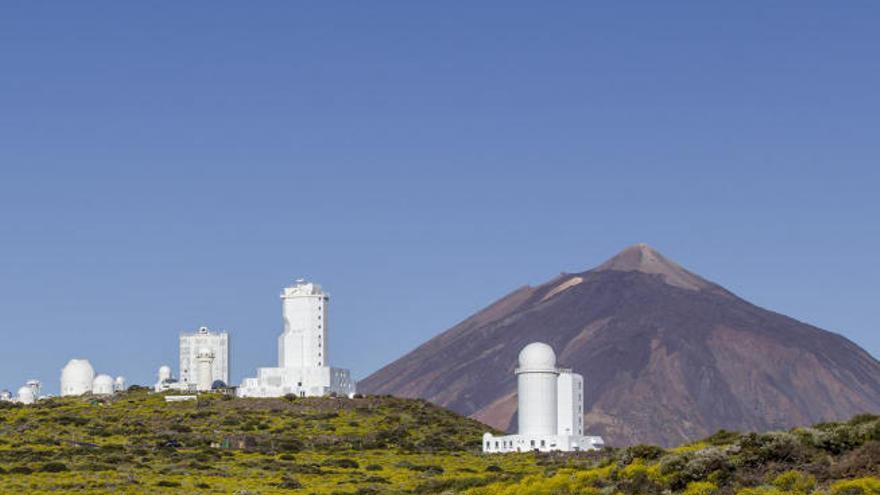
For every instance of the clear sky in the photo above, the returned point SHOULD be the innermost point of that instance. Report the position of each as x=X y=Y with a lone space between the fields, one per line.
x=165 y=165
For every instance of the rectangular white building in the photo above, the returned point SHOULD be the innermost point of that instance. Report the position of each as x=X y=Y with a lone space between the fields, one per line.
x=203 y=340
x=302 y=351
x=570 y=403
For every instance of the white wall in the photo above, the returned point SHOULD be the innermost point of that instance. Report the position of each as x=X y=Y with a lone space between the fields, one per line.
x=190 y=343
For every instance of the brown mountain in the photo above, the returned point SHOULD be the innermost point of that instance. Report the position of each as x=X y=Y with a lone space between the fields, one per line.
x=666 y=355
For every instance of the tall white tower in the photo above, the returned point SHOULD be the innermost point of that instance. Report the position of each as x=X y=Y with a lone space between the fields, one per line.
x=204 y=359
x=303 y=342
x=536 y=383
x=303 y=365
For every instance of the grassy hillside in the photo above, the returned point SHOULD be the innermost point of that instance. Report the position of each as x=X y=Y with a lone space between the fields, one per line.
x=138 y=443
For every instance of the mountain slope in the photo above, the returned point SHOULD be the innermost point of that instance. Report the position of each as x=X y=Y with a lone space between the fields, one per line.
x=667 y=356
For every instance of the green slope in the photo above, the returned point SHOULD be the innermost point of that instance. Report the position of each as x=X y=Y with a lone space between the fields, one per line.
x=138 y=443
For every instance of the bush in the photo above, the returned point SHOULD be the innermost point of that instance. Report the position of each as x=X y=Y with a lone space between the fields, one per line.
x=54 y=467
x=167 y=484
x=290 y=484
x=373 y=467
x=20 y=470
x=342 y=463
x=795 y=482
x=700 y=488
x=858 y=486
x=646 y=452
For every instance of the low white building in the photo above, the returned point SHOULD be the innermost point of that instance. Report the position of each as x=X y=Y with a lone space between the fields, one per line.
x=303 y=351
x=550 y=407
x=166 y=381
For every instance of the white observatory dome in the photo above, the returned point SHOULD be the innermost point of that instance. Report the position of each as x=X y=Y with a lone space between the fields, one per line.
x=102 y=385
x=77 y=377
x=164 y=373
x=537 y=356
x=119 y=384
x=26 y=395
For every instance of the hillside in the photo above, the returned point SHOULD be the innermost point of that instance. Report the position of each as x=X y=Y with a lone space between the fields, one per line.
x=137 y=443
x=667 y=357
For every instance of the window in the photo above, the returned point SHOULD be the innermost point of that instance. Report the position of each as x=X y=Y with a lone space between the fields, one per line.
x=533 y=443
x=543 y=444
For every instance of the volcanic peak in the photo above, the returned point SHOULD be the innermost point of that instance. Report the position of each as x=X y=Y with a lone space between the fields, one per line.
x=645 y=259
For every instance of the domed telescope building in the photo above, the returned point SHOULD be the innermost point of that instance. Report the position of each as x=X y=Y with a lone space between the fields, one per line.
x=550 y=404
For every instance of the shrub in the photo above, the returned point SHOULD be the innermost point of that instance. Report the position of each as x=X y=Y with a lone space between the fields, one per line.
x=373 y=467
x=54 y=467
x=290 y=484
x=700 y=488
x=723 y=437
x=167 y=484
x=795 y=482
x=858 y=486
x=646 y=452
x=493 y=469
x=20 y=470
x=342 y=463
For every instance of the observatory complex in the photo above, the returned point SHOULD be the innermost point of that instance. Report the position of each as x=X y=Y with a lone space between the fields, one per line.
x=303 y=350
x=550 y=407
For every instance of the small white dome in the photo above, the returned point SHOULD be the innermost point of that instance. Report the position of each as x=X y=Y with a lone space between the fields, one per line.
x=77 y=377
x=537 y=356
x=26 y=395
x=164 y=373
x=119 y=384
x=102 y=385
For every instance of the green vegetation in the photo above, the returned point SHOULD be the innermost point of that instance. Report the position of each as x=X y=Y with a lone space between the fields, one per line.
x=138 y=443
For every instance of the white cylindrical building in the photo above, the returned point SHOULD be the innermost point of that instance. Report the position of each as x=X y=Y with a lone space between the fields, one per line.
x=119 y=384
x=26 y=395
x=77 y=377
x=102 y=385
x=536 y=383
x=164 y=373
x=204 y=359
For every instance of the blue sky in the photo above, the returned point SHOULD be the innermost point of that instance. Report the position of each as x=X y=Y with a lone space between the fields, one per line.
x=168 y=165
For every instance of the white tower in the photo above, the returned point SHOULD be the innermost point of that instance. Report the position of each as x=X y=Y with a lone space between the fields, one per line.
x=77 y=377
x=303 y=342
x=102 y=385
x=204 y=359
x=303 y=366
x=536 y=382
x=119 y=384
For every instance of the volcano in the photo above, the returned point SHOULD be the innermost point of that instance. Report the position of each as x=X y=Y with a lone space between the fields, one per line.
x=667 y=357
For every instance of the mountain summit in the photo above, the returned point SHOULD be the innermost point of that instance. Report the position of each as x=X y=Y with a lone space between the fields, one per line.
x=667 y=356
x=643 y=258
